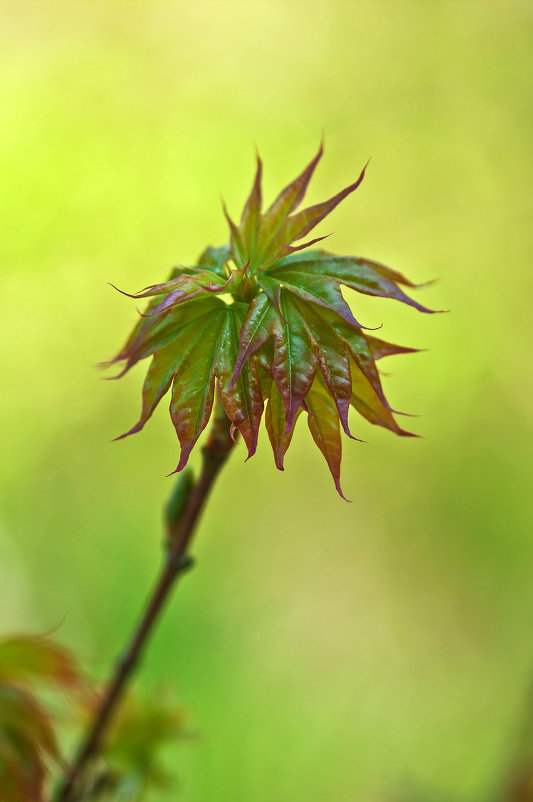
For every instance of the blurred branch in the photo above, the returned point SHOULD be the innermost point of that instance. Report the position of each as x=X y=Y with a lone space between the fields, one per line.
x=214 y=455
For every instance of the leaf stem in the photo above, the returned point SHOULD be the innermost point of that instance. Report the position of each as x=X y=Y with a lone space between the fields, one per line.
x=214 y=454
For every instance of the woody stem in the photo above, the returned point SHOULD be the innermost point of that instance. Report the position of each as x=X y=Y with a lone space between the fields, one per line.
x=214 y=454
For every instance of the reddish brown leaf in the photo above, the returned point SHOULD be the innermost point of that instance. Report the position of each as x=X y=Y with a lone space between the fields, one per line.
x=294 y=359
x=251 y=215
x=280 y=438
x=25 y=657
x=381 y=349
x=323 y=423
x=238 y=247
x=367 y=402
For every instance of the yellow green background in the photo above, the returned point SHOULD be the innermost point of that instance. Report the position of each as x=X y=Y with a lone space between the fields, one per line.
x=322 y=650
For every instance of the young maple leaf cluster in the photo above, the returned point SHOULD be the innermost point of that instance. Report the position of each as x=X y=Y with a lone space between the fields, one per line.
x=286 y=339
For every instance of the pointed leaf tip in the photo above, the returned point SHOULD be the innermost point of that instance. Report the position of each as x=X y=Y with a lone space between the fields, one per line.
x=237 y=243
x=285 y=250
x=301 y=223
x=251 y=215
x=123 y=292
x=280 y=439
x=139 y=426
x=323 y=422
x=273 y=220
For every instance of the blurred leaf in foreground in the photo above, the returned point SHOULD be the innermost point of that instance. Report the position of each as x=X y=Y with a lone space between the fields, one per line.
x=28 y=744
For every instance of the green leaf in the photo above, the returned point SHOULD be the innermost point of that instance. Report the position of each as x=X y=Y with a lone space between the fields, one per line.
x=256 y=329
x=187 y=329
x=323 y=424
x=272 y=289
x=238 y=247
x=203 y=349
x=251 y=214
x=294 y=359
x=305 y=336
x=193 y=378
x=300 y=224
x=357 y=344
x=263 y=238
x=317 y=267
x=332 y=357
x=242 y=398
x=181 y=289
x=153 y=333
x=280 y=438
x=368 y=403
x=286 y=202
x=325 y=292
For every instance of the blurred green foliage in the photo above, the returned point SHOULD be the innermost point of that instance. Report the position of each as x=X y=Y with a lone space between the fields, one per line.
x=131 y=766
x=323 y=649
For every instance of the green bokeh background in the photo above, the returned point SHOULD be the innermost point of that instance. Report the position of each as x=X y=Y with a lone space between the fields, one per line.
x=320 y=649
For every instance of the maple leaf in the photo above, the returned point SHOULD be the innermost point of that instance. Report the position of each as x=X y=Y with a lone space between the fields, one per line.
x=262 y=322
x=27 y=731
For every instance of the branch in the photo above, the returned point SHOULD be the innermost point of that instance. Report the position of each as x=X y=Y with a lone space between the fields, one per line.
x=214 y=455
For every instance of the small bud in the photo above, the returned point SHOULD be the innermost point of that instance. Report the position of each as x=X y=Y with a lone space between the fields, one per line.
x=175 y=506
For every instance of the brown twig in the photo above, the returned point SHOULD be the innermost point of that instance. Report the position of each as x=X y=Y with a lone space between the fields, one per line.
x=214 y=455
